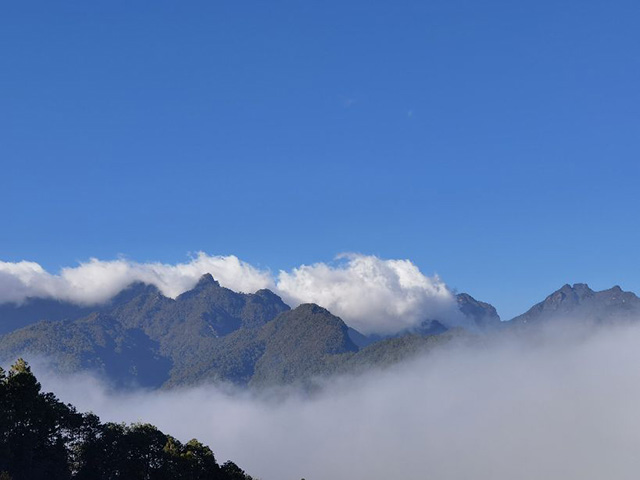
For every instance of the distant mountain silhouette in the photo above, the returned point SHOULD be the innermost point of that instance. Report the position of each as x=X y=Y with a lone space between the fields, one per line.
x=483 y=314
x=578 y=303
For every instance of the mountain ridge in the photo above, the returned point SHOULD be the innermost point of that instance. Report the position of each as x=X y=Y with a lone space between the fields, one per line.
x=578 y=302
x=211 y=334
x=208 y=333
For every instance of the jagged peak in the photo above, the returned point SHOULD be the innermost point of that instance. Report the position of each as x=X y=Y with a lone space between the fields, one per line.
x=313 y=308
x=206 y=284
x=583 y=290
x=265 y=292
x=580 y=298
x=268 y=296
x=576 y=291
x=464 y=298
x=461 y=297
x=481 y=313
x=206 y=280
x=617 y=292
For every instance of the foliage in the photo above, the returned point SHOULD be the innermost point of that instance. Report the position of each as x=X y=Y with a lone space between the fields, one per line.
x=43 y=438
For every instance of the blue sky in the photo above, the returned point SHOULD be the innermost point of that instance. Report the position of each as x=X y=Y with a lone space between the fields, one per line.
x=495 y=143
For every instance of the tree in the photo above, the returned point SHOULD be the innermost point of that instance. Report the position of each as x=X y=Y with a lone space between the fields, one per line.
x=231 y=471
x=35 y=428
x=42 y=438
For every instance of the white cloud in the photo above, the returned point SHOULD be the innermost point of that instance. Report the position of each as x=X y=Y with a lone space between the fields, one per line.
x=372 y=295
x=97 y=281
x=23 y=279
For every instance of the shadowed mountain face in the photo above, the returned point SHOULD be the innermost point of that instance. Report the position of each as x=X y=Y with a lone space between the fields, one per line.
x=301 y=343
x=211 y=333
x=482 y=314
x=140 y=337
x=578 y=303
x=14 y=316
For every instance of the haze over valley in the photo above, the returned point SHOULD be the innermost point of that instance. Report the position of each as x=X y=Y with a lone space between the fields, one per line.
x=260 y=380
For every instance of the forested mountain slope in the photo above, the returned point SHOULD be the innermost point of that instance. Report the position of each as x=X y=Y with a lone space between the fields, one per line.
x=213 y=334
x=208 y=333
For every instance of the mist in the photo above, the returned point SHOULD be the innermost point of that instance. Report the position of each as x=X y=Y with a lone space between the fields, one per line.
x=563 y=407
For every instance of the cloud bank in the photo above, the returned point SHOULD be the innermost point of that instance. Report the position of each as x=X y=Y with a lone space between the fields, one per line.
x=96 y=281
x=375 y=295
x=563 y=410
x=371 y=294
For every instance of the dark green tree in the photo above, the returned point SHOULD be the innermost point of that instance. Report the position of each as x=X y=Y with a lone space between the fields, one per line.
x=42 y=438
x=36 y=428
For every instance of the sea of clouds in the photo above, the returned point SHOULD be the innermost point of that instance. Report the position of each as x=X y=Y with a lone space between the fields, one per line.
x=370 y=294
x=557 y=404
x=563 y=407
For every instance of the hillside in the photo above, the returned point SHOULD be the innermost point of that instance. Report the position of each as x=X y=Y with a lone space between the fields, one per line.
x=208 y=333
x=213 y=334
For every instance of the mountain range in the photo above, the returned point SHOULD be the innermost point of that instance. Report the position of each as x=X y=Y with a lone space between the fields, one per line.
x=212 y=334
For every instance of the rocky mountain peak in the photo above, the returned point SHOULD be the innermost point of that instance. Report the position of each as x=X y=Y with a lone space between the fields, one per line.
x=312 y=308
x=579 y=302
x=205 y=281
x=268 y=295
x=481 y=313
x=568 y=295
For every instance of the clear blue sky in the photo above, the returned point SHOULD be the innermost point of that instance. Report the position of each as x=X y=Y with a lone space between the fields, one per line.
x=496 y=143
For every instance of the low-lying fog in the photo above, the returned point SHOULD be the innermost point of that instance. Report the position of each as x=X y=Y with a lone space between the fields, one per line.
x=565 y=409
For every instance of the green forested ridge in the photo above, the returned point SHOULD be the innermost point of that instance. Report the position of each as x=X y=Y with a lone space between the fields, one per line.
x=43 y=438
x=209 y=333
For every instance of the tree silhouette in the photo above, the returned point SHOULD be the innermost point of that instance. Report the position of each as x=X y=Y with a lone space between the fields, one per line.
x=43 y=438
